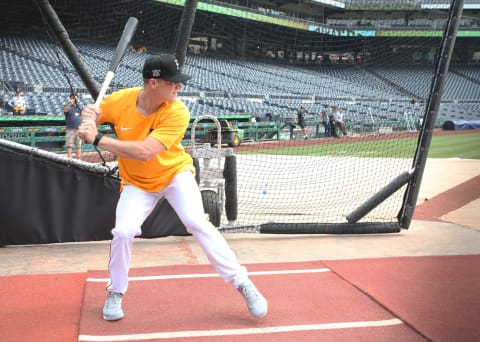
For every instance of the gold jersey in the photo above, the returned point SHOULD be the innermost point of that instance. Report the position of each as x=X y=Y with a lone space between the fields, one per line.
x=168 y=125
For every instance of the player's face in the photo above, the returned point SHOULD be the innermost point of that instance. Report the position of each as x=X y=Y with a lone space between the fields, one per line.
x=168 y=90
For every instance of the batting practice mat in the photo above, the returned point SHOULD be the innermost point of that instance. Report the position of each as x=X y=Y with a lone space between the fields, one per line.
x=397 y=299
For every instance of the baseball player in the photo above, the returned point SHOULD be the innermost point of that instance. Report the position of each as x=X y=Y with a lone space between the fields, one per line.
x=150 y=123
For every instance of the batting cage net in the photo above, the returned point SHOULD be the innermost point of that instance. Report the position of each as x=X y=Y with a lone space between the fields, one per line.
x=307 y=116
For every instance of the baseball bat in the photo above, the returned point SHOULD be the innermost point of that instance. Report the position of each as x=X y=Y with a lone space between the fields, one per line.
x=127 y=34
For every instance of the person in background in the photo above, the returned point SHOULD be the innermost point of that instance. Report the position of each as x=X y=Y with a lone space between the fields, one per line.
x=325 y=121
x=301 y=121
x=18 y=104
x=150 y=122
x=72 y=112
x=332 y=121
x=340 y=121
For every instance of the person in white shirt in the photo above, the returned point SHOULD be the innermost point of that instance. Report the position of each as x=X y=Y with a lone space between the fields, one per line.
x=339 y=120
x=18 y=104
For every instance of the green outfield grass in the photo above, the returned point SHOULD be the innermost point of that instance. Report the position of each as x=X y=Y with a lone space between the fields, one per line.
x=465 y=146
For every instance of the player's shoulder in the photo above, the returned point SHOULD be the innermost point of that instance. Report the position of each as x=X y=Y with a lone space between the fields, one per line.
x=176 y=110
x=126 y=92
x=122 y=94
x=176 y=106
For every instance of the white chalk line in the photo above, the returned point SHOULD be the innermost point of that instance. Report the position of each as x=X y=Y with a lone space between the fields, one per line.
x=247 y=331
x=208 y=275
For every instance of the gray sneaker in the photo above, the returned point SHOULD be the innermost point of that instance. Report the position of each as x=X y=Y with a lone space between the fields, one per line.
x=112 y=310
x=256 y=303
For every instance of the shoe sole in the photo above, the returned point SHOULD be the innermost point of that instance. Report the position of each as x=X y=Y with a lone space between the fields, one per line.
x=107 y=318
x=259 y=316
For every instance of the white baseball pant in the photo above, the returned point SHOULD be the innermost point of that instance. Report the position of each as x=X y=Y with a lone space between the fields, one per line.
x=184 y=196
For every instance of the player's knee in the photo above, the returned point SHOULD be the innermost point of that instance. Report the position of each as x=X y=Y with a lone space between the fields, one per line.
x=125 y=234
x=196 y=225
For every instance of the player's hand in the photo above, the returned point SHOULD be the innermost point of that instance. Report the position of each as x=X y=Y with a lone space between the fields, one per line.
x=90 y=113
x=87 y=130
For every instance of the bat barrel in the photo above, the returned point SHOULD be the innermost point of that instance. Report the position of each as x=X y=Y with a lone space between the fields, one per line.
x=126 y=37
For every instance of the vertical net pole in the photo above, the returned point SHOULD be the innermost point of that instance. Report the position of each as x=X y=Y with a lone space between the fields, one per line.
x=61 y=35
x=441 y=70
x=186 y=23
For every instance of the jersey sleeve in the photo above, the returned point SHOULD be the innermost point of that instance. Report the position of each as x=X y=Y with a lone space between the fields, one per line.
x=116 y=103
x=107 y=107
